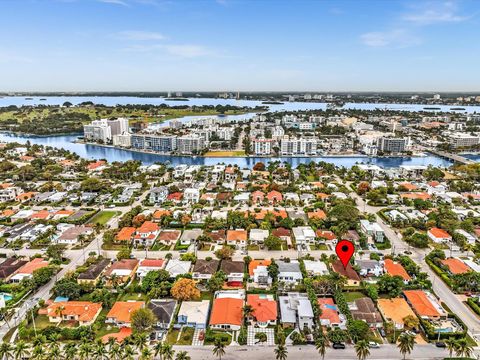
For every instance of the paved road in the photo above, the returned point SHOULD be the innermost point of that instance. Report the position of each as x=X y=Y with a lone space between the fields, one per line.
x=385 y=352
x=439 y=287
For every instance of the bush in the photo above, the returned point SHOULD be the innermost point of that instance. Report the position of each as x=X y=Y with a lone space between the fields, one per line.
x=474 y=305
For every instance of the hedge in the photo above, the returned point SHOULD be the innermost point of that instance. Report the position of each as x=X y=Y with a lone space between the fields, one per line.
x=439 y=272
x=474 y=306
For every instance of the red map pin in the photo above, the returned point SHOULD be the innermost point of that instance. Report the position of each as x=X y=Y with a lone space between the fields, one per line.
x=345 y=250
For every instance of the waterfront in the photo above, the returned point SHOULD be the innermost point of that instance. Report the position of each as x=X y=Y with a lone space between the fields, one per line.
x=111 y=154
x=286 y=106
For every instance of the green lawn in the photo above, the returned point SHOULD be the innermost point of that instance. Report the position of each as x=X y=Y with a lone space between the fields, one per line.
x=186 y=337
x=103 y=217
x=172 y=336
x=353 y=295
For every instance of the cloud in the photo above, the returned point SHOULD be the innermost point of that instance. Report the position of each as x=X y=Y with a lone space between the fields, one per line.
x=139 y=35
x=396 y=38
x=114 y=2
x=187 y=51
x=434 y=13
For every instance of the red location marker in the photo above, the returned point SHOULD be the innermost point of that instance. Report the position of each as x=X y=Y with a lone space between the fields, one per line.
x=345 y=250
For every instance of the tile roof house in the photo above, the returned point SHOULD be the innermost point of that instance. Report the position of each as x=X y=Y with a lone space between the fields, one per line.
x=330 y=315
x=147 y=265
x=349 y=272
x=147 y=233
x=364 y=309
x=326 y=235
x=203 y=269
x=217 y=236
x=169 y=236
x=424 y=304
x=194 y=314
x=121 y=312
x=227 y=314
x=438 y=235
x=178 y=267
x=27 y=270
x=296 y=311
x=274 y=197
x=317 y=214
x=264 y=309
x=9 y=266
x=85 y=312
x=394 y=268
x=395 y=310
x=163 y=309
x=456 y=266
x=283 y=234
x=125 y=234
x=122 y=271
x=258 y=197
x=93 y=273
x=237 y=238
x=258 y=272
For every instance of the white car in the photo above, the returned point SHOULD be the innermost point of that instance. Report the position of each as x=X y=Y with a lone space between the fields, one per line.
x=373 y=345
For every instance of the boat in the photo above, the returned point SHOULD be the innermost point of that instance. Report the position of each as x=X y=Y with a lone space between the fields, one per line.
x=335 y=105
x=457 y=109
x=43 y=99
x=176 y=99
x=272 y=102
x=28 y=98
x=431 y=108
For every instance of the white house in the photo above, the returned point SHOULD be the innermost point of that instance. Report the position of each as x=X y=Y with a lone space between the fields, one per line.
x=289 y=272
x=304 y=235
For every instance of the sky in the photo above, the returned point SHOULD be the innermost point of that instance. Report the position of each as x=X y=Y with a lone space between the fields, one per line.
x=239 y=45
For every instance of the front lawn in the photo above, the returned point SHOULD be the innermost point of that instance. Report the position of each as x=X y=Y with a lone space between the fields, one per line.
x=103 y=217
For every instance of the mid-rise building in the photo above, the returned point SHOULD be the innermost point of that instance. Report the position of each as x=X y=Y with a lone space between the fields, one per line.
x=461 y=140
x=304 y=146
x=262 y=146
x=97 y=130
x=122 y=140
x=392 y=144
x=190 y=144
x=151 y=142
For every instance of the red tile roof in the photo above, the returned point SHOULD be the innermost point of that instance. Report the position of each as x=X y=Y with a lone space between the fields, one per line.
x=329 y=310
x=263 y=309
x=456 y=266
x=396 y=269
x=227 y=311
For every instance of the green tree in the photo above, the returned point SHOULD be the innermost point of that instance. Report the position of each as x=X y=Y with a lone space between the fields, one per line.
x=362 y=349
x=391 y=285
x=321 y=345
x=21 y=350
x=405 y=344
x=463 y=348
x=451 y=344
x=281 y=352
x=142 y=320
x=358 y=330
x=272 y=242
x=218 y=348
x=182 y=355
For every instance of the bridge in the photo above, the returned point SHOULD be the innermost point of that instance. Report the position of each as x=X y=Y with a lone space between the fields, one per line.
x=454 y=157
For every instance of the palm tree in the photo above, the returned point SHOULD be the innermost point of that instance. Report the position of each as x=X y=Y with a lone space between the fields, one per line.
x=281 y=352
x=405 y=344
x=218 y=348
x=70 y=351
x=321 y=345
x=115 y=352
x=38 y=352
x=128 y=353
x=362 y=348
x=55 y=352
x=146 y=354
x=463 y=349
x=6 y=350
x=158 y=350
x=247 y=312
x=451 y=345
x=21 y=350
x=168 y=352
x=140 y=341
x=183 y=355
x=100 y=350
x=85 y=351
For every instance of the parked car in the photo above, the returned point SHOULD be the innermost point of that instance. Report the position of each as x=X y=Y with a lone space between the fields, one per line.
x=373 y=345
x=440 y=344
x=382 y=332
x=201 y=336
x=338 y=345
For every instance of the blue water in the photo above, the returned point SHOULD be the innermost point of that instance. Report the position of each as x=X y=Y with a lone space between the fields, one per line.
x=287 y=106
x=113 y=154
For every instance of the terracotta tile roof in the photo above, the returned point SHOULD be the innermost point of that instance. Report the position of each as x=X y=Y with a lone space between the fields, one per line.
x=96 y=164
x=279 y=232
x=322 y=196
x=439 y=233
x=317 y=214
x=264 y=309
x=326 y=234
x=152 y=262
x=274 y=195
x=456 y=266
x=122 y=310
x=217 y=235
x=254 y=263
x=263 y=212
x=396 y=269
x=85 y=310
x=26 y=158
x=227 y=311
x=395 y=309
x=237 y=235
x=40 y=215
x=258 y=194
x=148 y=227
x=416 y=195
x=26 y=196
x=8 y=213
x=33 y=265
x=169 y=235
x=65 y=212
x=409 y=186
x=119 y=336
x=5 y=185
x=125 y=234
x=420 y=303
x=161 y=213
x=175 y=196
x=433 y=183
x=329 y=310
x=124 y=264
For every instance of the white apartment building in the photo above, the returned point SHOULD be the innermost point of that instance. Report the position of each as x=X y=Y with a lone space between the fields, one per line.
x=98 y=130
x=262 y=146
x=460 y=140
x=298 y=146
x=190 y=144
x=122 y=140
